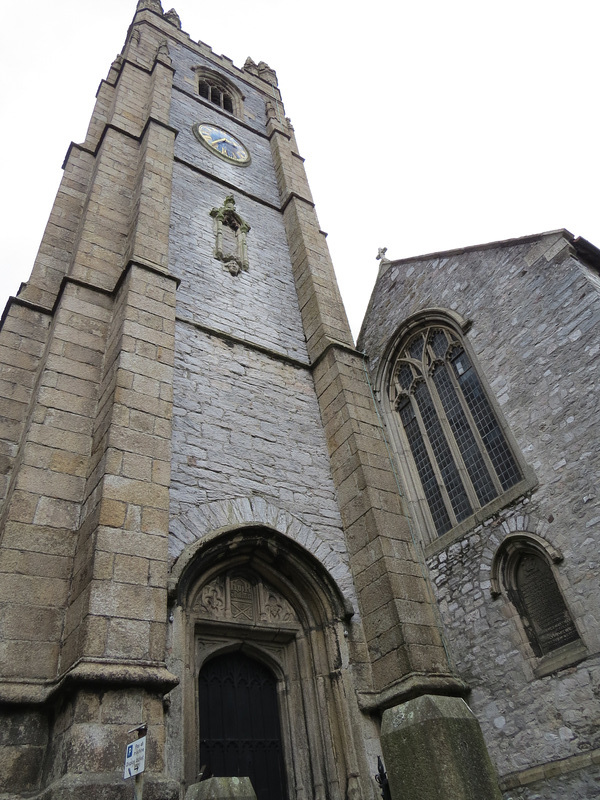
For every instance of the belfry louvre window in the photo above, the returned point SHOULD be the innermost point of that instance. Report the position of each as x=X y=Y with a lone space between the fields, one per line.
x=215 y=94
x=461 y=455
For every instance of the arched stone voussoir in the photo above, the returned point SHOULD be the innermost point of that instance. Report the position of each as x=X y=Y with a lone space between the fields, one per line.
x=203 y=523
x=518 y=528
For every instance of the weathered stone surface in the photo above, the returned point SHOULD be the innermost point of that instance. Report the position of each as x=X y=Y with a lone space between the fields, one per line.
x=221 y=789
x=166 y=422
x=583 y=784
x=538 y=350
x=278 y=453
x=23 y=740
x=433 y=747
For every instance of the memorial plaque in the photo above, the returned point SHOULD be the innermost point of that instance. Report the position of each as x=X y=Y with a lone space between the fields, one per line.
x=543 y=604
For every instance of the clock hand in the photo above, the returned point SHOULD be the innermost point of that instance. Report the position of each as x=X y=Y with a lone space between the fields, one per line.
x=216 y=141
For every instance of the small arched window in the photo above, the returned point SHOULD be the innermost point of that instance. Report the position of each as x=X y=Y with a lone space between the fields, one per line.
x=216 y=95
x=216 y=89
x=523 y=568
x=450 y=430
x=536 y=596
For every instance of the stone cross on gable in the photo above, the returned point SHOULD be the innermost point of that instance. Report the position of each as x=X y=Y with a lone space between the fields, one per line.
x=381 y=255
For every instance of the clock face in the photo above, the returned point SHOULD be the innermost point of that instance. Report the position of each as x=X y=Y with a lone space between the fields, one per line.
x=221 y=143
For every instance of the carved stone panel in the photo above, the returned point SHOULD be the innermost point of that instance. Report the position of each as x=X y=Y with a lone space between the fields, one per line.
x=230 y=236
x=277 y=609
x=212 y=598
x=243 y=598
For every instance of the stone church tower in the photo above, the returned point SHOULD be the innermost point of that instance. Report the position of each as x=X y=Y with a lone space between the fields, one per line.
x=204 y=527
x=197 y=493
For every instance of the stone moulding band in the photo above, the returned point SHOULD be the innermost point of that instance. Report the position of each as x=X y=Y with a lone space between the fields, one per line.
x=333 y=344
x=411 y=686
x=150 y=674
x=50 y=311
x=295 y=196
x=228 y=337
x=110 y=127
x=552 y=769
x=226 y=184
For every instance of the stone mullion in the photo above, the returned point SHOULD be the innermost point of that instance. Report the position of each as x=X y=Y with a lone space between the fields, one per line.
x=455 y=450
x=474 y=430
x=432 y=458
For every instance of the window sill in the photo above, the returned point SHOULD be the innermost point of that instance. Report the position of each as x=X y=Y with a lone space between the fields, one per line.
x=566 y=656
x=528 y=483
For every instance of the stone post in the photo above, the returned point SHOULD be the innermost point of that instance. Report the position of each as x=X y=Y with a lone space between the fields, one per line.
x=433 y=748
x=221 y=789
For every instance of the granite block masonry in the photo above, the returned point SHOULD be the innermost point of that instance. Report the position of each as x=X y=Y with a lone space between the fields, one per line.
x=211 y=523
x=531 y=311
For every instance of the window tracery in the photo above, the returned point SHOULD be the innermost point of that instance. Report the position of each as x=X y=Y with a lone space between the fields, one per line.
x=215 y=94
x=457 y=443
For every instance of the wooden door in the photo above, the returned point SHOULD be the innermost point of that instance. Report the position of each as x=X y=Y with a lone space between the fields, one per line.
x=240 y=732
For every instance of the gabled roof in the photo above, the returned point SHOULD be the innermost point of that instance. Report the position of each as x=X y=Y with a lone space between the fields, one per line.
x=585 y=250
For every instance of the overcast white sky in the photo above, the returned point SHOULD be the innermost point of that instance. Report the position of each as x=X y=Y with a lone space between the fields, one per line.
x=425 y=124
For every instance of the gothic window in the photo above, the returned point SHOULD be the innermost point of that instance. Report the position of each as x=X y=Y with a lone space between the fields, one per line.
x=449 y=426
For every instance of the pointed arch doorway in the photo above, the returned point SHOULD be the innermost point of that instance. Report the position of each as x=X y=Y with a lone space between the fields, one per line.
x=240 y=730
x=255 y=593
